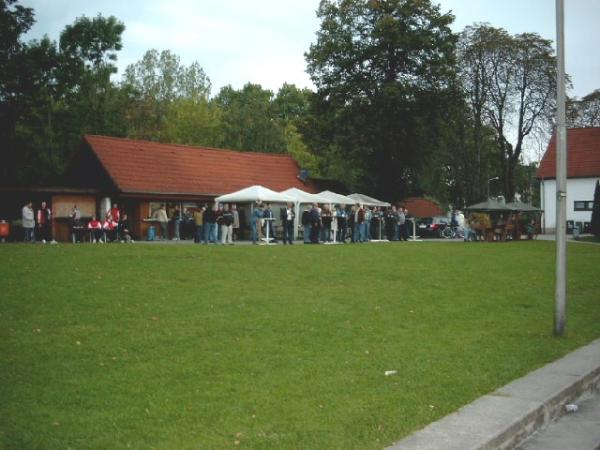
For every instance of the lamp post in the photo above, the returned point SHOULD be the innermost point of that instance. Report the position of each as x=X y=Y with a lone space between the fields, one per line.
x=488 y=192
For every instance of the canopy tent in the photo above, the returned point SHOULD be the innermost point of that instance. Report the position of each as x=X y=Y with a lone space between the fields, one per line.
x=301 y=196
x=254 y=193
x=368 y=201
x=523 y=207
x=337 y=199
x=489 y=205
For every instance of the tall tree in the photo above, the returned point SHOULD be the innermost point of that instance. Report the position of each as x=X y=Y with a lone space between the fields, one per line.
x=516 y=78
x=15 y=20
x=586 y=111
x=381 y=70
x=249 y=120
x=160 y=88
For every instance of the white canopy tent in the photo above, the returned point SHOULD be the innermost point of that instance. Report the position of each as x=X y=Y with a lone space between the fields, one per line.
x=368 y=201
x=254 y=193
x=337 y=199
x=301 y=197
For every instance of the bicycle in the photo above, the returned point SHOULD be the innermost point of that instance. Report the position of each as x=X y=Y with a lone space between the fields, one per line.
x=451 y=232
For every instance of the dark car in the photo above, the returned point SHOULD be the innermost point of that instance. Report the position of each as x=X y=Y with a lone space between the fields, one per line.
x=431 y=226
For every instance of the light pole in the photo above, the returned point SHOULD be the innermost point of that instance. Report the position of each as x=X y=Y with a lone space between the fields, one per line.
x=560 y=305
x=491 y=179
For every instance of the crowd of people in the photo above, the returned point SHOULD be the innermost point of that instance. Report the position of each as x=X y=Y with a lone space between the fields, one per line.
x=224 y=224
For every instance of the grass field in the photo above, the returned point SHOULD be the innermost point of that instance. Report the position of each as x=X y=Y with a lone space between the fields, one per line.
x=194 y=347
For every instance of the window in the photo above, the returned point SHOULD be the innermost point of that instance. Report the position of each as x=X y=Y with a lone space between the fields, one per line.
x=582 y=205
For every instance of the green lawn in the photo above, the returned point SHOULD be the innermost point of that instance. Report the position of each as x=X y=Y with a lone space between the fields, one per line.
x=177 y=347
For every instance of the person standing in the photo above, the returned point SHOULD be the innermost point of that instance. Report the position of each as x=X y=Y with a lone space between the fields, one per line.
x=367 y=223
x=177 y=217
x=288 y=217
x=75 y=222
x=226 y=225
x=269 y=217
x=163 y=221
x=199 y=222
x=28 y=222
x=115 y=213
x=391 y=224
x=236 y=222
x=326 y=220
x=342 y=223
x=360 y=224
x=44 y=219
x=255 y=222
x=210 y=224
x=315 y=222
x=401 y=222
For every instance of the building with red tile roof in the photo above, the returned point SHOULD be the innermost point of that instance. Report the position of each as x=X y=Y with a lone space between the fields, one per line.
x=172 y=170
x=583 y=170
x=141 y=175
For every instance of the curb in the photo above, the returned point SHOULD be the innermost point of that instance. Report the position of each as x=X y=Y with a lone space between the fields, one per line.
x=505 y=417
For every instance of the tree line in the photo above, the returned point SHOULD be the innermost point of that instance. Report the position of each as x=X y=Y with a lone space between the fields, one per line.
x=402 y=106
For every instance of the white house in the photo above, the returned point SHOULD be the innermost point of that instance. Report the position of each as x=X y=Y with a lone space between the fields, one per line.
x=583 y=170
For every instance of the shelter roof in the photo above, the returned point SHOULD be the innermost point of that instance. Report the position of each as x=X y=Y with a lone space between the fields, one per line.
x=583 y=154
x=255 y=193
x=151 y=167
x=489 y=205
x=366 y=200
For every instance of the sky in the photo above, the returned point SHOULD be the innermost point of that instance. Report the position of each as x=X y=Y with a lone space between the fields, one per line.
x=264 y=41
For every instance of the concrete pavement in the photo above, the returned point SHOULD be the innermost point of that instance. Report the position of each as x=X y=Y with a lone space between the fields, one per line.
x=504 y=418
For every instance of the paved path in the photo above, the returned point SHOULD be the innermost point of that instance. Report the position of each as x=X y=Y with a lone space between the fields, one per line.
x=578 y=430
x=506 y=417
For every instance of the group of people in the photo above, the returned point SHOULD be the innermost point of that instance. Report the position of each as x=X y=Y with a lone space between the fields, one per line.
x=39 y=222
x=114 y=228
x=359 y=223
x=216 y=224
x=221 y=223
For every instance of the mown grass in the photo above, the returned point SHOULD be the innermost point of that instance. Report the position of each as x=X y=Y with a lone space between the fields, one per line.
x=177 y=347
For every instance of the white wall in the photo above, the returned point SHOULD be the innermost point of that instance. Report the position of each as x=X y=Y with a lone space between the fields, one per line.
x=578 y=189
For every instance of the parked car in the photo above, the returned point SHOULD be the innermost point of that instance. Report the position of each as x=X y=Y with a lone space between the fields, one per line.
x=431 y=226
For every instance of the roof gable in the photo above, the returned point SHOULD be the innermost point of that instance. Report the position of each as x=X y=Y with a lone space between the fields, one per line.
x=583 y=154
x=151 y=167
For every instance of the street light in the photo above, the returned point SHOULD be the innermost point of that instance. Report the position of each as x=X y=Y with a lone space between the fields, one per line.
x=491 y=179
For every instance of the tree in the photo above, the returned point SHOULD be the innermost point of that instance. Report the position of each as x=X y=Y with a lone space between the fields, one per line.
x=15 y=20
x=51 y=94
x=596 y=211
x=381 y=70
x=517 y=85
x=160 y=88
x=585 y=112
x=249 y=121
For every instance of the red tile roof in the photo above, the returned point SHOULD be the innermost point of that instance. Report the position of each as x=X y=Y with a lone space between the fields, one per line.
x=583 y=154
x=155 y=168
x=422 y=207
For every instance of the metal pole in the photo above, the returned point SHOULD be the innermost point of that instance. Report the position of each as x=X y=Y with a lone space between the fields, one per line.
x=561 y=178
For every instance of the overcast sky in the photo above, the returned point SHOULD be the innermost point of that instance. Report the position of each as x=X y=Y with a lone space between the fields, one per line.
x=263 y=41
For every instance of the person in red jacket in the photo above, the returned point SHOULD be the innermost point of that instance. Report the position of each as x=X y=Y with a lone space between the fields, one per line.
x=115 y=213
x=110 y=228
x=44 y=222
x=95 y=228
